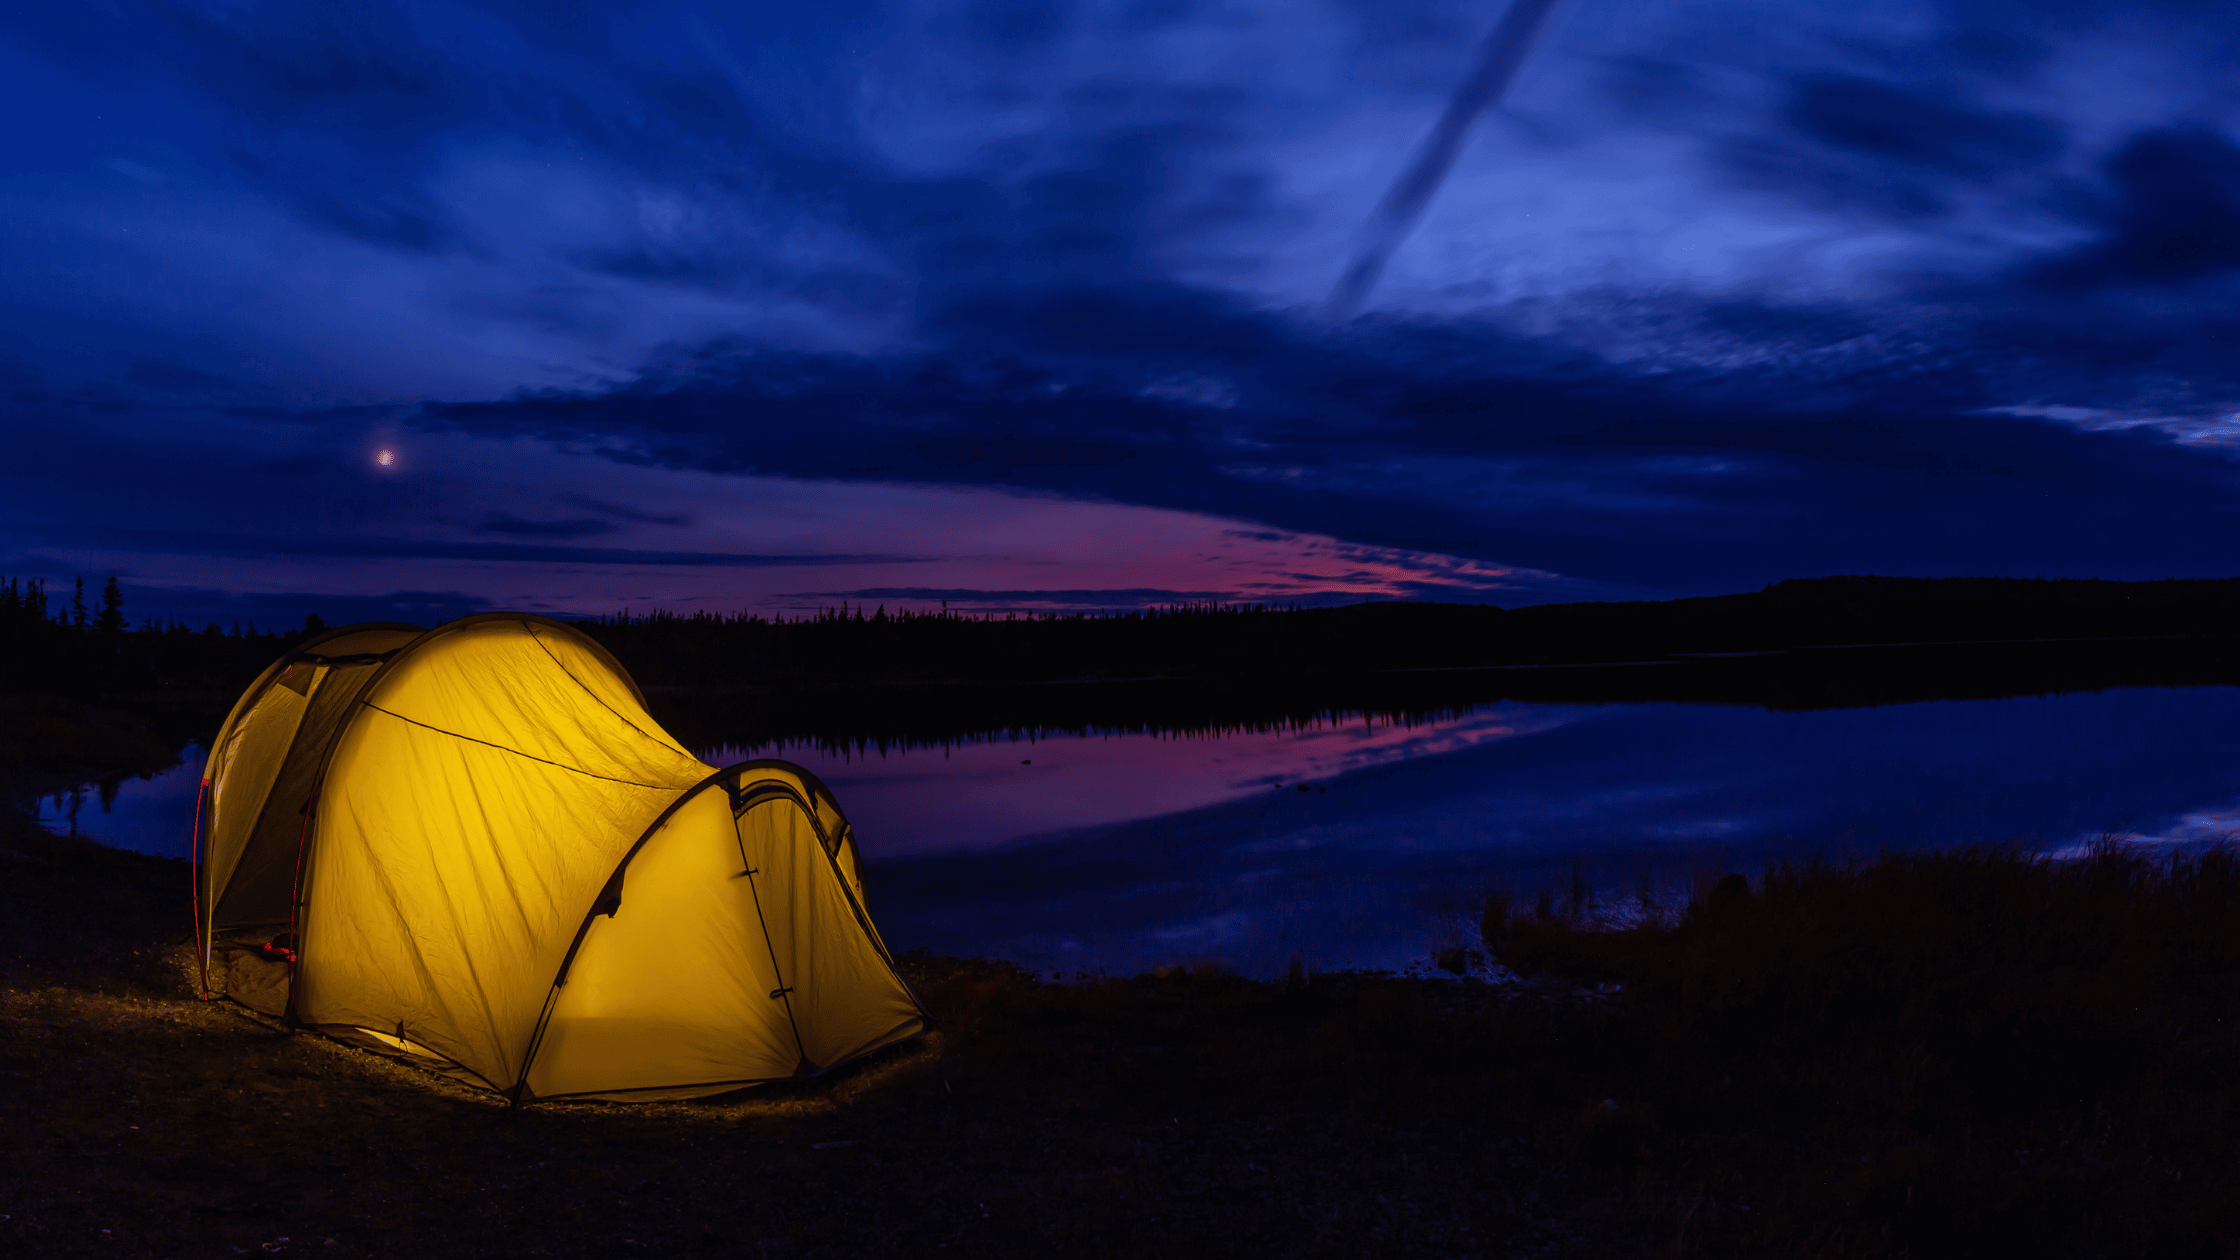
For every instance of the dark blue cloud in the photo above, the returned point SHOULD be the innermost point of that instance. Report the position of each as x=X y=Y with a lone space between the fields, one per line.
x=635 y=516
x=1651 y=88
x=1886 y=121
x=1133 y=597
x=170 y=378
x=1848 y=142
x=180 y=541
x=1012 y=26
x=2004 y=51
x=341 y=71
x=285 y=610
x=579 y=527
x=1459 y=440
x=348 y=115
x=2173 y=215
x=1066 y=250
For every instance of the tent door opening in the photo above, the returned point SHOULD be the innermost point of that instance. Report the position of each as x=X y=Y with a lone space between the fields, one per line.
x=256 y=975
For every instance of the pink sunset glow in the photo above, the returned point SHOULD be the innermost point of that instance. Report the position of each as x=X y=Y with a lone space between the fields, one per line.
x=1003 y=790
x=638 y=538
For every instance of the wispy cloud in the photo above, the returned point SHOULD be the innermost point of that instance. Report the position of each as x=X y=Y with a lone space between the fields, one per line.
x=195 y=542
x=1719 y=294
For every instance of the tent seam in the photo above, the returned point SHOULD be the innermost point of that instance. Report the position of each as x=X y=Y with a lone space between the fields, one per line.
x=560 y=976
x=832 y=859
x=807 y=800
x=784 y=992
x=419 y=962
x=539 y=640
x=656 y=787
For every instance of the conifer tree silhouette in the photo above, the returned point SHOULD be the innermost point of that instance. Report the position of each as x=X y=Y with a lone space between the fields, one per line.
x=111 y=621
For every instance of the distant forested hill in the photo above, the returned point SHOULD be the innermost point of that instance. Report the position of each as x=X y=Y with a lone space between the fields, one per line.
x=76 y=646
x=708 y=651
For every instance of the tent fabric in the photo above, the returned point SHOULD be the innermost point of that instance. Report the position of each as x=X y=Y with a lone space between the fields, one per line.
x=492 y=859
x=260 y=768
x=808 y=975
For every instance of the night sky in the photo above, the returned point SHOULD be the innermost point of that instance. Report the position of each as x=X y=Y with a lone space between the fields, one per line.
x=407 y=311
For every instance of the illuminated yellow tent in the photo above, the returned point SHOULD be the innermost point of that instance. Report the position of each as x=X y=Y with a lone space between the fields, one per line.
x=471 y=846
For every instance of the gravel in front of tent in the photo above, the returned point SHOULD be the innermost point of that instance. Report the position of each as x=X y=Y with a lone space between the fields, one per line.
x=149 y=1123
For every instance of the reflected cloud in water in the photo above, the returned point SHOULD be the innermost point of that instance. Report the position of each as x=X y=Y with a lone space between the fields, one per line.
x=988 y=794
x=1120 y=852
x=1357 y=875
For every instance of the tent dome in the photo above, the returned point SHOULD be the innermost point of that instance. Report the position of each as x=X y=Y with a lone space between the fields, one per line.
x=473 y=846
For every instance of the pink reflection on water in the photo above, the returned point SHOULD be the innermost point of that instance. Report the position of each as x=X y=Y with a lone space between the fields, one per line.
x=983 y=795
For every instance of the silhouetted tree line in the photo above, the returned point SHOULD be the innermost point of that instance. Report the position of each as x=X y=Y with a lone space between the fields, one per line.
x=708 y=651
x=713 y=651
x=918 y=715
x=62 y=646
x=1841 y=611
x=59 y=644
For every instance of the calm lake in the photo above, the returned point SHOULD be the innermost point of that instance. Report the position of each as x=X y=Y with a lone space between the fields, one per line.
x=1120 y=852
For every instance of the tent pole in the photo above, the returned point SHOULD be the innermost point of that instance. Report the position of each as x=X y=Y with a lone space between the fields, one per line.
x=194 y=870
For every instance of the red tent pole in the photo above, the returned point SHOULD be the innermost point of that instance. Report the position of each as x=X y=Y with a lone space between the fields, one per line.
x=194 y=868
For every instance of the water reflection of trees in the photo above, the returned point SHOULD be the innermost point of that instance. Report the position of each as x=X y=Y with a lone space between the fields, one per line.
x=863 y=719
x=858 y=721
x=851 y=679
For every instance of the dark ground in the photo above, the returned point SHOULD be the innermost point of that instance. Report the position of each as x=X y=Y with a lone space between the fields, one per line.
x=1087 y=1120
x=1190 y=1114
x=1947 y=1056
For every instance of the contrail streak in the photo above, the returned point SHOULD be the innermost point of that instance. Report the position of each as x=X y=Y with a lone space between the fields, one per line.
x=1403 y=205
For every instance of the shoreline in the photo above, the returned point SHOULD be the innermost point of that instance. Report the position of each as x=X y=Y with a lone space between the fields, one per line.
x=142 y=733
x=1190 y=1112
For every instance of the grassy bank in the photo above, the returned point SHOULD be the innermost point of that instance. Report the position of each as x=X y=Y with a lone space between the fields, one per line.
x=1933 y=1056
x=56 y=731
x=1948 y=1052
x=55 y=746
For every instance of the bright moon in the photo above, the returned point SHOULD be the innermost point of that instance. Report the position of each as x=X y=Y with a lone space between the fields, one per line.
x=385 y=457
